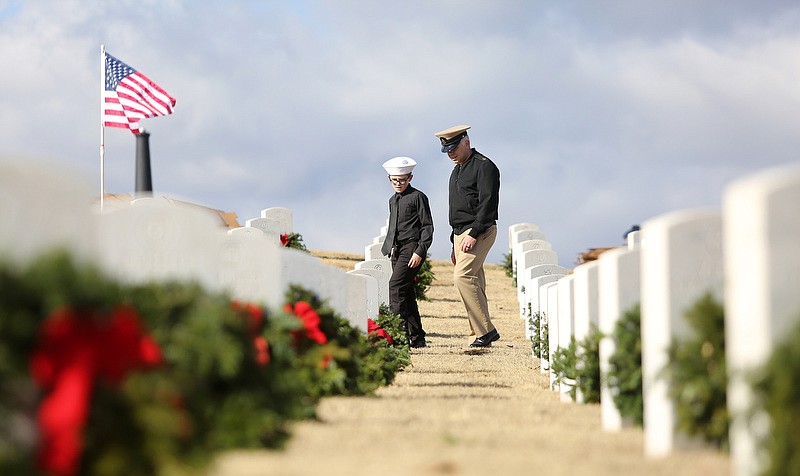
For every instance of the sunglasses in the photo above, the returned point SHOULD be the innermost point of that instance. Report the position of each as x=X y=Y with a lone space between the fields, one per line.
x=399 y=181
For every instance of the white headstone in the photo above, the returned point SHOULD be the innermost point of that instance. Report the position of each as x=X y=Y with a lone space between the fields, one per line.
x=530 y=259
x=518 y=227
x=762 y=273
x=634 y=240
x=548 y=297
x=585 y=305
x=246 y=230
x=301 y=269
x=681 y=260
x=147 y=200
x=282 y=215
x=528 y=278
x=566 y=321
x=383 y=264
x=362 y=297
x=334 y=289
x=44 y=207
x=383 y=267
x=528 y=245
x=382 y=277
x=536 y=304
x=522 y=247
x=154 y=240
x=269 y=226
x=518 y=237
x=585 y=277
x=249 y=268
x=373 y=251
x=618 y=291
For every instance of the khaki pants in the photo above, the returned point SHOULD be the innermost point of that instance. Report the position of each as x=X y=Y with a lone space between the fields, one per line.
x=470 y=280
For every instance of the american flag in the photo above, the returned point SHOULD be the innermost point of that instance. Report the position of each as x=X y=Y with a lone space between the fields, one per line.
x=130 y=96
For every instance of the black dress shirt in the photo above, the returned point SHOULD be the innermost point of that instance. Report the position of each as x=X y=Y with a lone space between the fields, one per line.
x=414 y=220
x=474 y=195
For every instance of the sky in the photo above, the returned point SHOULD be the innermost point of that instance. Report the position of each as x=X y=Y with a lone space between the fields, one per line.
x=599 y=114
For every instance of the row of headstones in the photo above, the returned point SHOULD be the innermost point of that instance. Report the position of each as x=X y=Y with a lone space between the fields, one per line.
x=534 y=267
x=158 y=239
x=534 y=263
x=375 y=264
x=747 y=256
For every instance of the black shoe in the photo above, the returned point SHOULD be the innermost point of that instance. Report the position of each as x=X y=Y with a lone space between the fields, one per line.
x=417 y=343
x=486 y=340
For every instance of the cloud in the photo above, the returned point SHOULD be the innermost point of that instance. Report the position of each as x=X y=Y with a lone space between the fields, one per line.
x=599 y=117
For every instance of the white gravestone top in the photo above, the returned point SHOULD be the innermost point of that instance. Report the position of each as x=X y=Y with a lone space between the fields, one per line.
x=762 y=275
x=383 y=264
x=282 y=215
x=536 y=296
x=382 y=277
x=566 y=322
x=530 y=259
x=518 y=227
x=44 y=207
x=546 y=308
x=529 y=275
x=269 y=226
x=373 y=251
x=618 y=291
x=249 y=267
x=526 y=234
x=681 y=260
x=154 y=240
x=362 y=298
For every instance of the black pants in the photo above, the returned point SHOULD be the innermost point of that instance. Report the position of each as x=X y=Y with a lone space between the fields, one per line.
x=402 y=296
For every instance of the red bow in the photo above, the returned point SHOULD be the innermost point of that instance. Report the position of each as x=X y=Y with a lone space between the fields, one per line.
x=372 y=327
x=310 y=319
x=72 y=352
x=255 y=315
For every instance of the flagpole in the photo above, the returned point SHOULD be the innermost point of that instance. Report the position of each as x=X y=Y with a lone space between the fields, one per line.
x=102 y=127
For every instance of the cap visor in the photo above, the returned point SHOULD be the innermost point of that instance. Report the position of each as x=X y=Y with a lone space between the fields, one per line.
x=448 y=148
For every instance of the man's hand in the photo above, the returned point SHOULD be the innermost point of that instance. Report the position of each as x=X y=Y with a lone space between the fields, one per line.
x=415 y=261
x=453 y=256
x=468 y=243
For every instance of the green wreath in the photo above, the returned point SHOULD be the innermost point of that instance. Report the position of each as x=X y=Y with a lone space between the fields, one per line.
x=537 y=325
x=625 y=366
x=777 y=393
x=698 y=376
x=587 y=365
x=423 y=280
x=232 y=374
x=564 y=367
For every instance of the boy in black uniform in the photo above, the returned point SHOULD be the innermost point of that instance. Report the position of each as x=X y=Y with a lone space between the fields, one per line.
x=409 y=236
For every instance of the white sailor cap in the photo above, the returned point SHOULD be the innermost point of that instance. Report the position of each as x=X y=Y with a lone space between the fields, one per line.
x=399 y=165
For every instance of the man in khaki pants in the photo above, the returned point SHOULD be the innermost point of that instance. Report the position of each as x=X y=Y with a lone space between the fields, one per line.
x=474 y=198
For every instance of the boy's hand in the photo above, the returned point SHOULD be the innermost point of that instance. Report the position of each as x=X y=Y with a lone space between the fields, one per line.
x=415 y=261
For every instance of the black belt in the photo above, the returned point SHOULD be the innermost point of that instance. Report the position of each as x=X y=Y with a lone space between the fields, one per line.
x=403 y=243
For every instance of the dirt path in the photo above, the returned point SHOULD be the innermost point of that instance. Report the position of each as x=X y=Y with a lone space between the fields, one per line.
x=459 y=413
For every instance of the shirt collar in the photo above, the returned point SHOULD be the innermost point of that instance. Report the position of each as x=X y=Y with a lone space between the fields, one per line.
x=406 y=191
